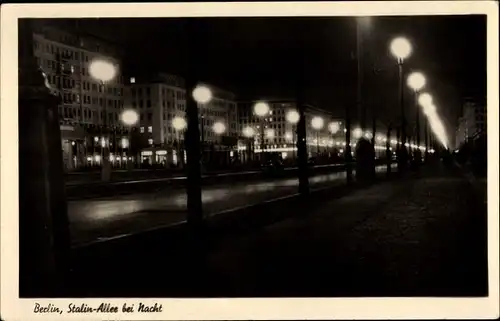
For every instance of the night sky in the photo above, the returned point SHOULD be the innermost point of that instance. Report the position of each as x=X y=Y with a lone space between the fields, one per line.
x=259 y=57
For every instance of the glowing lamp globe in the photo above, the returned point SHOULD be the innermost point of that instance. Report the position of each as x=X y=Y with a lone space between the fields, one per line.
x=219 y=128
x=102 y=70
x=401 y=48
x=292 y=117
x=429 y=109
x=425 y=100
x=416 y=81
x=129 y=117
x=248 y=132
x=317 y=122
x=357 y=133
x=202 y=94
x=333 y=127
x=124 y=142
x=261 y=109
x=179 y=123
x=269 y=133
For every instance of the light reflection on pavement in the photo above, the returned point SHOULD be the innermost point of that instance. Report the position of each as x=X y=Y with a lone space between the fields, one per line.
x=94 y=219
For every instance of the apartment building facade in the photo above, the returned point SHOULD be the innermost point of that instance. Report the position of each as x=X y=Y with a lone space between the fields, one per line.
x=471 y=123
x=88 y=110
x=159 y=98
x=274 y=134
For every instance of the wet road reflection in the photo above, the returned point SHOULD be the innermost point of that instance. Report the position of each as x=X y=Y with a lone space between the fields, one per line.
x=107 y=217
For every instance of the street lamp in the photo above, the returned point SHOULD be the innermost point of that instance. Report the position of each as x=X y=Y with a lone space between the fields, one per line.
x=430 y=110
x=270 y=133
x=129 y=118
x=261 y=109
x=425 y=101
x=179 y=124
x=401 y=49
x=357 y=133
x=293 y=118
x=249 y=133
x=333 y=127
x=219 y=128
x=103 y=71
x=202 y=95
x=317 y=123
x=416 y=81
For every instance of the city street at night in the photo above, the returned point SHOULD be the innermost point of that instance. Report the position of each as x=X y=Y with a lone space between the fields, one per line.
x=103 y=218
x=421 y=236
x=330 y=155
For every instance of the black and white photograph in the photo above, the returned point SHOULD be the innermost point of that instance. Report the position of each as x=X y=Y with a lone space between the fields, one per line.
x=157 y=155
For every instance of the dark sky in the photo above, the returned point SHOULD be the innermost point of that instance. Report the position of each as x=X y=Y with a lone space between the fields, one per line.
x=261 y=56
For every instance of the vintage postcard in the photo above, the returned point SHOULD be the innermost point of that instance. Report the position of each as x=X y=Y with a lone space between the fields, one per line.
x=244 y=160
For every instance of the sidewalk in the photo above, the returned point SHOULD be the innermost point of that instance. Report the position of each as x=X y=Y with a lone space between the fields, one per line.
x=423 y=237
x=411 y=237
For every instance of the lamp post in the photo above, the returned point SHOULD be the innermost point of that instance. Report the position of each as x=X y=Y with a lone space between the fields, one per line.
x=103 y=71
x=401 y=49
x=202 y=95
x=129 y=118
x=425 y=100
x=416 y=81
x=261 y=109
x=179 y=124
x=333 y=128
x=249 y=133
x=270 y=134
x=219 y=128
x=388 y=153
x=317 y=123
x=362 y=27
x=292 y=116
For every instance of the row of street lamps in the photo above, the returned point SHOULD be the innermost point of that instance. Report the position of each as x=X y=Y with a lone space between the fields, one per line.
x=104 y=71
x=401 y=49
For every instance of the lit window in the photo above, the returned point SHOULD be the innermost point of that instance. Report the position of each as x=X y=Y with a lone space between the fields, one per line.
x=150 y=129
x=132 y=80
x=142 y=129
x=150 y=141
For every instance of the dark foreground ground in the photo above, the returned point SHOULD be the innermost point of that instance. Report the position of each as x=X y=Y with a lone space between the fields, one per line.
x=413 y=236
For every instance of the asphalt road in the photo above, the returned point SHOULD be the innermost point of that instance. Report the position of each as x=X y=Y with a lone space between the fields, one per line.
x=104 y=218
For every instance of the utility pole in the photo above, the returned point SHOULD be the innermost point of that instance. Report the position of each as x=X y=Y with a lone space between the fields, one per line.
x=44 y=240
